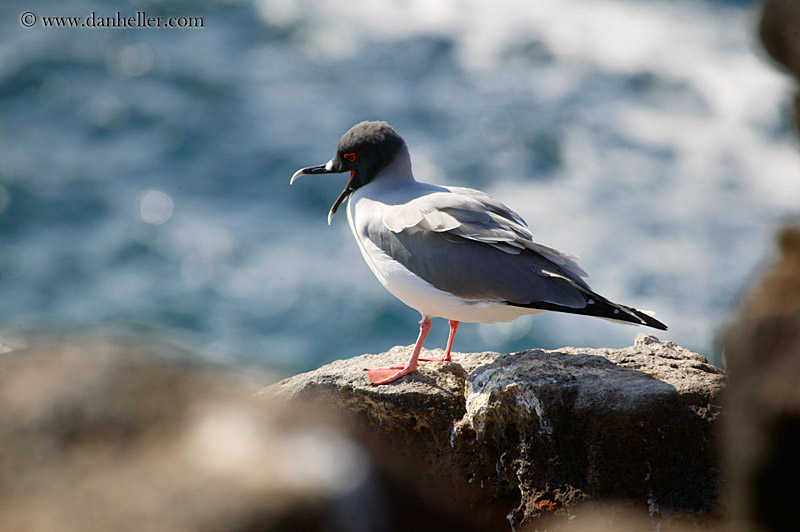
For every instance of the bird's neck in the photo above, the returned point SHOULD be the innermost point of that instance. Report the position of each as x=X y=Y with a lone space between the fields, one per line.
x=396 y=173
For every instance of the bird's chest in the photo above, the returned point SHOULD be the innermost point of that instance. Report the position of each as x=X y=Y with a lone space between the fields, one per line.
x=361 y=212
x=364 y=217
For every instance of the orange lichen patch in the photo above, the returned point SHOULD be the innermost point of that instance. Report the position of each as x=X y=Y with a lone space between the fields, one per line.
x=546 y=505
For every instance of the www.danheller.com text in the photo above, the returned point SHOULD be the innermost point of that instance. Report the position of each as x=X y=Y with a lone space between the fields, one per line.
x=139 y=20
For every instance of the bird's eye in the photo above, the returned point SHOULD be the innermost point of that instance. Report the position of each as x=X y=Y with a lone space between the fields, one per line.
x=350 y=156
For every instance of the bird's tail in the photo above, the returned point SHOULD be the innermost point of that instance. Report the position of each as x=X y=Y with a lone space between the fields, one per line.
x=598 y=306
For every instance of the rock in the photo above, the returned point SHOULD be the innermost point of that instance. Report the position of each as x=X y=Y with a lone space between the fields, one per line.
x=108 y=436
x=506 y=439
x=762 y=429
x=778 y=30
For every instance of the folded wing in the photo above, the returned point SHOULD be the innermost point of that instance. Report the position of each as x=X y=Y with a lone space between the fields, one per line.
x=466 y=243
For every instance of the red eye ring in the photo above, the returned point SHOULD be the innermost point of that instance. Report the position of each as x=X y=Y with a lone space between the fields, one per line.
x=350 y=156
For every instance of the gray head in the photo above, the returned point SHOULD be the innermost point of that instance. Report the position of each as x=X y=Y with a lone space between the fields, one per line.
x=364 y=150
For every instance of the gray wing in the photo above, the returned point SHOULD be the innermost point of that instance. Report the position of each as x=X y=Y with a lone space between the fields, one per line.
x=466 y=243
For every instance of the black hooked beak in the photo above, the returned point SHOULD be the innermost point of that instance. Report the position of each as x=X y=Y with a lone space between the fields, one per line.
x=327 y=168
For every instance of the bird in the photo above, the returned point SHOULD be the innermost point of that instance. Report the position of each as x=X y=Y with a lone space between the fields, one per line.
x=450 y=252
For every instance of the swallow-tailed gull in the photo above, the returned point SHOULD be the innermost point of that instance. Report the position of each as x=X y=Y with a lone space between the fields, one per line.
x=450 y=252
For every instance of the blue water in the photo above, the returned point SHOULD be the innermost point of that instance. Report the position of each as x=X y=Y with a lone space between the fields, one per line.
x=144 y=172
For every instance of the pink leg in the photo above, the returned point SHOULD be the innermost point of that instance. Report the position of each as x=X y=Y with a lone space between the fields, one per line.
x=386 y=375
x=446 y=357
x=453 y=329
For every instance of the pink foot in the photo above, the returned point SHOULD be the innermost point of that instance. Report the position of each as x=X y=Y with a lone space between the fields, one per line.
x=386 y=375
x=443 y=358
x=392 y=373
x=398 y=366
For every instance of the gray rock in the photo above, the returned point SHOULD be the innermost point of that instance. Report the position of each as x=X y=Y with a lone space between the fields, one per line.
x=506 y=438
x=762 y=426
x=96 y=435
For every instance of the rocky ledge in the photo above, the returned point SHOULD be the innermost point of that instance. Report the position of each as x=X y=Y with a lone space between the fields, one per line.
x=510 y=438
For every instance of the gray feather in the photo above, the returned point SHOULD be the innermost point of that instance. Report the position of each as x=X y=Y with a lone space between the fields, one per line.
x=476 y=270
x=463 y=213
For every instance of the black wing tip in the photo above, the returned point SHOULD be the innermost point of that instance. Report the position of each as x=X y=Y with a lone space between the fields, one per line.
x=600 y=307
x=650 y=321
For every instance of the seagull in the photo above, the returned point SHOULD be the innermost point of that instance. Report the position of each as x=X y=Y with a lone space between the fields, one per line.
x=450 y=252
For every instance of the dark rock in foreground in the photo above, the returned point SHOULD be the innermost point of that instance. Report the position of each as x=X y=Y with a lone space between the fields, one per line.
x=762 y=429
x=99 y=435
x=508 y=438
x=105 y=436
x=778 y=31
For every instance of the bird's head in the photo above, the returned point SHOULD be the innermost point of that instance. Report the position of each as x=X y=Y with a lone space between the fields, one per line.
x=364 y=150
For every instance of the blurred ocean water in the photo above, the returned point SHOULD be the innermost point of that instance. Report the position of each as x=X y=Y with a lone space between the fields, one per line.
x=144 y=172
